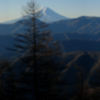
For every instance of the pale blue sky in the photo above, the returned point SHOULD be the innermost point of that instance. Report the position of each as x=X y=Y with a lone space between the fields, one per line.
x=12 y=9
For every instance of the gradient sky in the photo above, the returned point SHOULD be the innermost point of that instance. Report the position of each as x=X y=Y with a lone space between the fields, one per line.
x=12 y=9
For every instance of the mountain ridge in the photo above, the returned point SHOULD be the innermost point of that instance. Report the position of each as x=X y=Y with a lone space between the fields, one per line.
x=46 y=15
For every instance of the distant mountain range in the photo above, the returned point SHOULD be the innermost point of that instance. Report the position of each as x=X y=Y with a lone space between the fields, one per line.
x=77 y=34
x=78 y=28
x=46 y=15
x=84 y=27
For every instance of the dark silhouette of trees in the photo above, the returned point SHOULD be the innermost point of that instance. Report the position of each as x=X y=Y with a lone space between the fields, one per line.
x=40 y=56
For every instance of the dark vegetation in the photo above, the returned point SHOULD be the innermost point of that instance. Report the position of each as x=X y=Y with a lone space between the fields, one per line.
x=42 y=71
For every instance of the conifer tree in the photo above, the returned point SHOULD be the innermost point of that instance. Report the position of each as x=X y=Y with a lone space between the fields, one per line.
x=39 y=52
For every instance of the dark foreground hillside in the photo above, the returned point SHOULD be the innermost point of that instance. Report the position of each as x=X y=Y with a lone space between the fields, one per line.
x=79 y=78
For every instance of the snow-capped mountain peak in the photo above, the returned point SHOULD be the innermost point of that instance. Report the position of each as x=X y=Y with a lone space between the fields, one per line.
x=43 y=11
x=49 y=15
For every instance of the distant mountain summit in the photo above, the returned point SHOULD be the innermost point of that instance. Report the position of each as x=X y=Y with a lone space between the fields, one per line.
x=49 y=16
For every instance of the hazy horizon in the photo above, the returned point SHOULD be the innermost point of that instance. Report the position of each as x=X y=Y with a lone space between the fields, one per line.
x=67 y=8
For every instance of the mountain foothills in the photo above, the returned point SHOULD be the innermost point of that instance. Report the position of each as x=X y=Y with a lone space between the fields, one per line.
x=88 y=62
x=78 y=28
x=77 y=34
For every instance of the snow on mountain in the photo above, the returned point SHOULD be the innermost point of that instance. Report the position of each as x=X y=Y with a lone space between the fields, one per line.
x=49 y=16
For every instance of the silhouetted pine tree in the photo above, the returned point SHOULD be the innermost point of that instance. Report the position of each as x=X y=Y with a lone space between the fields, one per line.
x=39 y=52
